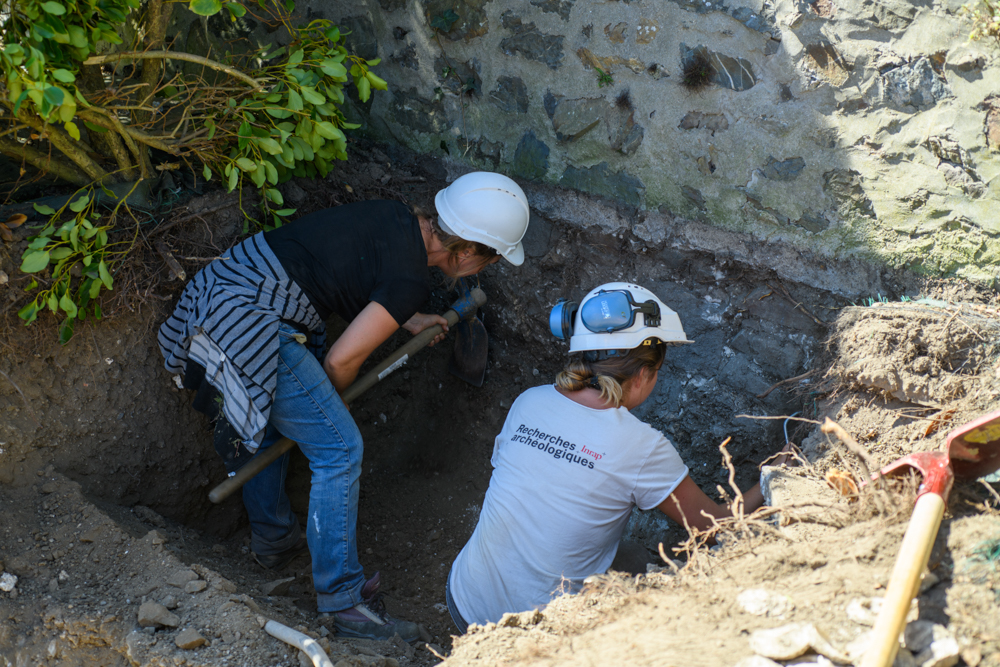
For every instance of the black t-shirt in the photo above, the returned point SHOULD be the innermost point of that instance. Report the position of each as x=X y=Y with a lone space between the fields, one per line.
x=347 y=256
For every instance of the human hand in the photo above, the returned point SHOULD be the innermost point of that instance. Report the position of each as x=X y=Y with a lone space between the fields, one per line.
x=787 y=456
x=421 y=321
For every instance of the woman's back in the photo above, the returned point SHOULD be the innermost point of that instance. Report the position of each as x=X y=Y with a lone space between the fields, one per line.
x=565 y=480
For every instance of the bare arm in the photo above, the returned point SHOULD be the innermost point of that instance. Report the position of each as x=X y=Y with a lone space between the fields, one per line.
x=693 y=501
x=370 y=328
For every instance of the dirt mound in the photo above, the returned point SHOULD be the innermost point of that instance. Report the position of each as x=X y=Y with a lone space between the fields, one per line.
x=901 y=376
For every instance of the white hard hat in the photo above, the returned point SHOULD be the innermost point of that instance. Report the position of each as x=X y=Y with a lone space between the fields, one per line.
x=488 y=208
x=616 y=316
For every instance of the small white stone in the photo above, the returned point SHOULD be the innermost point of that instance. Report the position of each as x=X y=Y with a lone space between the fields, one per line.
x=7 y=582
x=864 y=611
x=761 y=602
x=791 y=641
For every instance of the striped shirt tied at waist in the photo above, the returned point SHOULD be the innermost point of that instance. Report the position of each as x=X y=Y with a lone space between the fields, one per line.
x=227 y=321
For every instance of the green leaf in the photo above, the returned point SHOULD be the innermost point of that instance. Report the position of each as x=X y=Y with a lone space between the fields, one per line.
x=68 y=109
x=334 y=69
x=285 y=212
x=373 y=63
x=39 y=242
x=54 y=95
x=32 y=285
x=206 y=173
x=269 y=146
x=95 y=288
x=72 y=130
x=53 y=8
x=376 y=82
x=74 y=237
x=35 y=261
x=258 y=176
x=44 y=210
x=97 y=310
x=294 y=101
x=278 y=112
x=234 y=176
x=96 y=128
x=63 y=75
x=274 y=196
x=364 y=89
x=235 y=9
x=210 y=124
x=66 y=329
x=205 y=7
x=102 y=269
x=78 y=38
x=66 y=303
x=244 y=133
x=80 y=203
x=29 y=312
x=60 y=253
x=328 y=130
x=272 y=172
x=52 y=302
x=312 y=96
x=295 y=58
x=246 y=164
x=102 y=238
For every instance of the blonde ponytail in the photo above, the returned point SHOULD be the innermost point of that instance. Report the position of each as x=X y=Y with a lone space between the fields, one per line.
x=612 y=374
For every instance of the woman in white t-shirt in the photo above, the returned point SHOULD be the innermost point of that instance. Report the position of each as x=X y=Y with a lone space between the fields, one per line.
x=572 y=461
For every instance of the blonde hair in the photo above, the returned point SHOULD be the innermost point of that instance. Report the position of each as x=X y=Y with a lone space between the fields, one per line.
x=611 y=374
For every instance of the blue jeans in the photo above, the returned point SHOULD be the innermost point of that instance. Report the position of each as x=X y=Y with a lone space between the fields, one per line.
x=308 y=410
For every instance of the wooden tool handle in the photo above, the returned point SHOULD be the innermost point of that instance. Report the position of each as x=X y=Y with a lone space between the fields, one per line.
x=910 y=563
x=268 y=456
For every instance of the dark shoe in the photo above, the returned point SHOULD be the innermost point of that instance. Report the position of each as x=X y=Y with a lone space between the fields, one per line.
x=369 y=620
x=280 y=560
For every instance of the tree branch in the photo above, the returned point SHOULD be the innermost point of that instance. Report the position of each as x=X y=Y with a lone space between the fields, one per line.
x=43 y=162
x=65 y=144
x=176 y=55
x=103 y=118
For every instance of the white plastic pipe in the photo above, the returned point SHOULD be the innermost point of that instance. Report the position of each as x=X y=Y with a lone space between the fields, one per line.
x=304 y=643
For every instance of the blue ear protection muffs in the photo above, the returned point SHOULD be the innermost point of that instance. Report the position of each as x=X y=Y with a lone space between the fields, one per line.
x=614 y=310
x=561 y=319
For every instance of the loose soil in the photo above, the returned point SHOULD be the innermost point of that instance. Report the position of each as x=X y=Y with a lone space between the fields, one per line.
x=105 y=469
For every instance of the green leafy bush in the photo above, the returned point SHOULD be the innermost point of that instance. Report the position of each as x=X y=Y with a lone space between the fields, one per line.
x=259 y=117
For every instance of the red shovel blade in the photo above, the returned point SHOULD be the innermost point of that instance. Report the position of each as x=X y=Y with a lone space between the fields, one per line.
x=974 y=449
x=932 y=466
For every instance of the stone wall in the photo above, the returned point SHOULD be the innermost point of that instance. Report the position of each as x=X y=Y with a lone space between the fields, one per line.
x=852 y=128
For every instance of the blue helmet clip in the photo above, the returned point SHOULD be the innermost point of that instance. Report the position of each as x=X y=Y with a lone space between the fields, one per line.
x=561 y=319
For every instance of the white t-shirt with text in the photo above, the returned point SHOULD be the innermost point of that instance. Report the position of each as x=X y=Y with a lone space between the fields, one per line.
x=564 y=483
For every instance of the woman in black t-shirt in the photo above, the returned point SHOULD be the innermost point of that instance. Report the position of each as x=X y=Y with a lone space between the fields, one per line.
x=242 y=320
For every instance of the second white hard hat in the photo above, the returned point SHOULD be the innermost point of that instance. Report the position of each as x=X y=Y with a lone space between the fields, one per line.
x=616 y=316
x=488 y=208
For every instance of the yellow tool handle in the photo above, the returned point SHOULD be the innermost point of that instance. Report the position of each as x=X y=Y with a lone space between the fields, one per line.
x=910 y=564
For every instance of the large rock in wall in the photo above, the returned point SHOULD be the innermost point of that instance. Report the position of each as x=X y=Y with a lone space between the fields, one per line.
x=853 y=128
